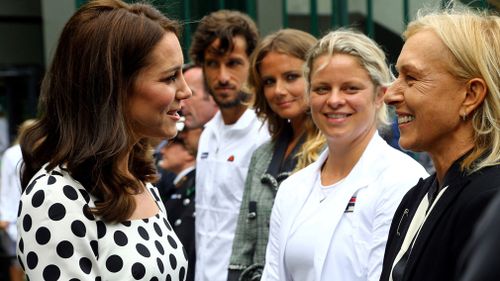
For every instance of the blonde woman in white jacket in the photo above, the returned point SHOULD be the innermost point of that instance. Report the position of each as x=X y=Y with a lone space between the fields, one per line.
x=330 y=220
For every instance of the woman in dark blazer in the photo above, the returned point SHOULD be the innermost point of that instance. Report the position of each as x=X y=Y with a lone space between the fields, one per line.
x=448 y=104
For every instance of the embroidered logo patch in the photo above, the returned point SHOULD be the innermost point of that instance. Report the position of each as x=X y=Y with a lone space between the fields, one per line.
x=350 y=205
x=204 y=155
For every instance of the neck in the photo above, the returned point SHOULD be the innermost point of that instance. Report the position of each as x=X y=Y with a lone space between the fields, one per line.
x=297 y=124
x=298 y=129
x=455 y=146
x=443 y=161
x=232 y=114
x=343 y=157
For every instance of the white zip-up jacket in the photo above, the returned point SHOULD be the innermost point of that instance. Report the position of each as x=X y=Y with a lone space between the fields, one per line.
x=224 y=153
x=379 y=180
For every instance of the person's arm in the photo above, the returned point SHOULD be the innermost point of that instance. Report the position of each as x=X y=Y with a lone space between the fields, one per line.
x=394 y=187
x=56 y=237
x=381 y=225
x=10 y=191
x=271 y=268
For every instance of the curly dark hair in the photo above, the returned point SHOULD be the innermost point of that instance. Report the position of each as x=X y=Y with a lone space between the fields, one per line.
x=223 y=25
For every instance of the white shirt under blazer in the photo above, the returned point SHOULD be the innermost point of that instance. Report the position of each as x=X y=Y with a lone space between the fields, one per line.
x=224 y=153
x=379 y=180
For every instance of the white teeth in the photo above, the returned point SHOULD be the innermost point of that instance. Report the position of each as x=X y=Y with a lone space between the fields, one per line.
x=405 y=119
x=336 y=116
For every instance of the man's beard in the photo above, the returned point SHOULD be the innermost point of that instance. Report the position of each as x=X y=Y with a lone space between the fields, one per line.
x=240 y=99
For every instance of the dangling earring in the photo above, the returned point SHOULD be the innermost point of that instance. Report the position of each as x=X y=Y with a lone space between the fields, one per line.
x=464 y=117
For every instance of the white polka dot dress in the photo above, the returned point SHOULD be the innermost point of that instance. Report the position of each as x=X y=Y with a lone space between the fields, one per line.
x=60 y=239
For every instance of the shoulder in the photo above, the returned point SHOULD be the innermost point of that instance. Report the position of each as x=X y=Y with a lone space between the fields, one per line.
x=304 y=178
x=212 y=125
x=264 y=149
x=481 y=185
x=12 y=154
x=487 y=177
x=55 y=190
x=397 y=167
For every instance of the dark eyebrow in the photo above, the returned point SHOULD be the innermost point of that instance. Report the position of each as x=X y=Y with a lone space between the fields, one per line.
x=172 y=69
x=292 y=72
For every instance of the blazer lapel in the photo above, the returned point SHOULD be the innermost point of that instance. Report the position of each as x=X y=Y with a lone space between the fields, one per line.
x=295 y=203
x=360 y=177
x=447 y=198
x=334 y=211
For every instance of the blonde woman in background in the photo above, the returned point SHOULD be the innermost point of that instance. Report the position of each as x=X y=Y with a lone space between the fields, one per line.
x=279 y=85
x=330 y=220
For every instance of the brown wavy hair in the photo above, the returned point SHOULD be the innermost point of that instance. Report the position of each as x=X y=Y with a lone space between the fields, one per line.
x=223 y=25
x=83 y=126
x=295 y=43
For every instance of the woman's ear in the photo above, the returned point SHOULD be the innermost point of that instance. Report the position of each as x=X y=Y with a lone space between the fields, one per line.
x=475 y=94
x=379 y=95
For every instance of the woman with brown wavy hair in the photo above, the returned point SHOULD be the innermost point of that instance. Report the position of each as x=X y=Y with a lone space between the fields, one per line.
x=279 y=85
x=88 y=210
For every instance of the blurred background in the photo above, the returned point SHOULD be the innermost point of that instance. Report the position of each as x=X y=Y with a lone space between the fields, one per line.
x=29 y=30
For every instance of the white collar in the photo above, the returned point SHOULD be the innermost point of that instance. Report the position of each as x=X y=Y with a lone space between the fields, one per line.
x=182 y=174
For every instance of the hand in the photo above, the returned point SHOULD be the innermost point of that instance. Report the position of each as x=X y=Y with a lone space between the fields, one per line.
x=4 y=224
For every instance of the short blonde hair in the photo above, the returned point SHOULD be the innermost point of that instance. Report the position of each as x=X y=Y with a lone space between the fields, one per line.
x=360 y=46
x=473 y=39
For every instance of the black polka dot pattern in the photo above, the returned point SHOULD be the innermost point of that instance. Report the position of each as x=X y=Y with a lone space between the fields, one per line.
x=31 y=260
x=27 y=223
x=38 y=198
x=51 y=273
x=70 y=192
x=114 y=263
x=138 y=271
x=61 y=239
x=120 y=238
x=65 y=249
x=85 y=265
x=42 y=235
x=78 y=228
x=57 y=212
x=172 y=242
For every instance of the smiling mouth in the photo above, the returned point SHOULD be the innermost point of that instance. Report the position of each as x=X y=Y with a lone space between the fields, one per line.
x=337 y=116
x=405 y=119
x=173 y=112
x=284 y=103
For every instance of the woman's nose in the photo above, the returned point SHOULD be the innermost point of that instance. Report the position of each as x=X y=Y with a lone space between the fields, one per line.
x=393 y=94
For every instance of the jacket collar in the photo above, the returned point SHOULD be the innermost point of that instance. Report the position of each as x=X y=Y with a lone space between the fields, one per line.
x=243 y=122
x=455 y=180
x=280 y=168
x=365 y=171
